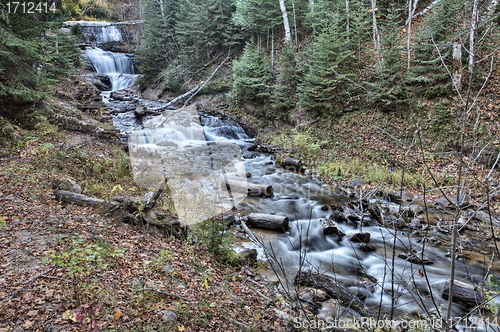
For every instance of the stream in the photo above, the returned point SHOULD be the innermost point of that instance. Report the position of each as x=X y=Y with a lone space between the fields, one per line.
x=197 y=149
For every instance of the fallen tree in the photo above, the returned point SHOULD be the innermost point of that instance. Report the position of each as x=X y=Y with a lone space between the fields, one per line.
x=268 y=221
x=252 y=189
x=333 y=289
x=138 y=211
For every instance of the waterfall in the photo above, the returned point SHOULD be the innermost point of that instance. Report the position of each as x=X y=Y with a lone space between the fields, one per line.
x=99 y=32
x=118 y=66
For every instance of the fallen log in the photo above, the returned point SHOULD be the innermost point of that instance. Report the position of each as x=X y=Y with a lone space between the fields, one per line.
x=329 y=228
x=463 y=292
x=333 y=289
x=296 y=164
x=127 y=210
x=252 y=189
x=68 y=197
x=78 y=125
x=268 y=221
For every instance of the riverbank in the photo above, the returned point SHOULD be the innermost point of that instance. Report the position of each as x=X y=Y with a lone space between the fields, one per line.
x=65 y=267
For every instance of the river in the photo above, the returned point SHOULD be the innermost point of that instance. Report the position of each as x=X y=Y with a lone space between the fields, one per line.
x=182 y=135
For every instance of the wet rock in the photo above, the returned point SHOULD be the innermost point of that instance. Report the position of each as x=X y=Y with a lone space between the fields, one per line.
x=416 y=259
x=366 y=247
x=252 y=147
x=121 y=96
x=338 y=216
x=168 y=316
x=360 y=237
x=356 y=183
x=415 y=224
x=248 y=156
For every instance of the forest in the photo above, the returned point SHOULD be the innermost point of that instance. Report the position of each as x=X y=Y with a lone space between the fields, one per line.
x=244 y=165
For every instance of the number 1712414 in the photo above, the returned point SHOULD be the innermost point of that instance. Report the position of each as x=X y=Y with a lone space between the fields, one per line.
x=14 y=7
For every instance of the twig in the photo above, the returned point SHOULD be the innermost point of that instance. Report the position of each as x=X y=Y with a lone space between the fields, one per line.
x=38 y=276
x=164 y=293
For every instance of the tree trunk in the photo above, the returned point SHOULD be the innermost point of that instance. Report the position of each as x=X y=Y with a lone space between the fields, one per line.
x=333 y=289
x=268 y=221
x=347 y=17
x=252 y=189
x=435 y=2
x=329 y=228
x=457 y=64
x=295 y=23
x=68 y=197
x=463 y=292
x=288 y=37
x=472 y=42
x=293 y=163
x=376 y=35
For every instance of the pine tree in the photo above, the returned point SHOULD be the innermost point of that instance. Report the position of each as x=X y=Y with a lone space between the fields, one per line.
x=388 y=90
x=159 y=47
x=327 y=84
x=429 y=77
x=251 y=76
x=283 y=98
x=29 y=58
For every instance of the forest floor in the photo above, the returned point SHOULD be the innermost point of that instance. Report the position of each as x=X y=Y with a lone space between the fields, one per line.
x=69 y=268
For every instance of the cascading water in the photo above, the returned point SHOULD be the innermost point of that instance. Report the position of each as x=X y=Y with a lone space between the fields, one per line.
x=119 y=67
x=99 y=32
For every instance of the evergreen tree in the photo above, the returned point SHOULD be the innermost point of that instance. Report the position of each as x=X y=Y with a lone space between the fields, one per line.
x=326 y=86
x=283 y=98
x=30 y=59
x=204 y=28
x=388 y=90
x=251 y=76
x=429 y=77
x=257 y=16
x=159 y=47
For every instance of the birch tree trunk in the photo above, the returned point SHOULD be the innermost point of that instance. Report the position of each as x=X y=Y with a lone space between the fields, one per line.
x=472 y=42
x=411 y=10
x=288 y=37
x=295 y=23
x=347 y=16
x=376 y=36
x=457 y=64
